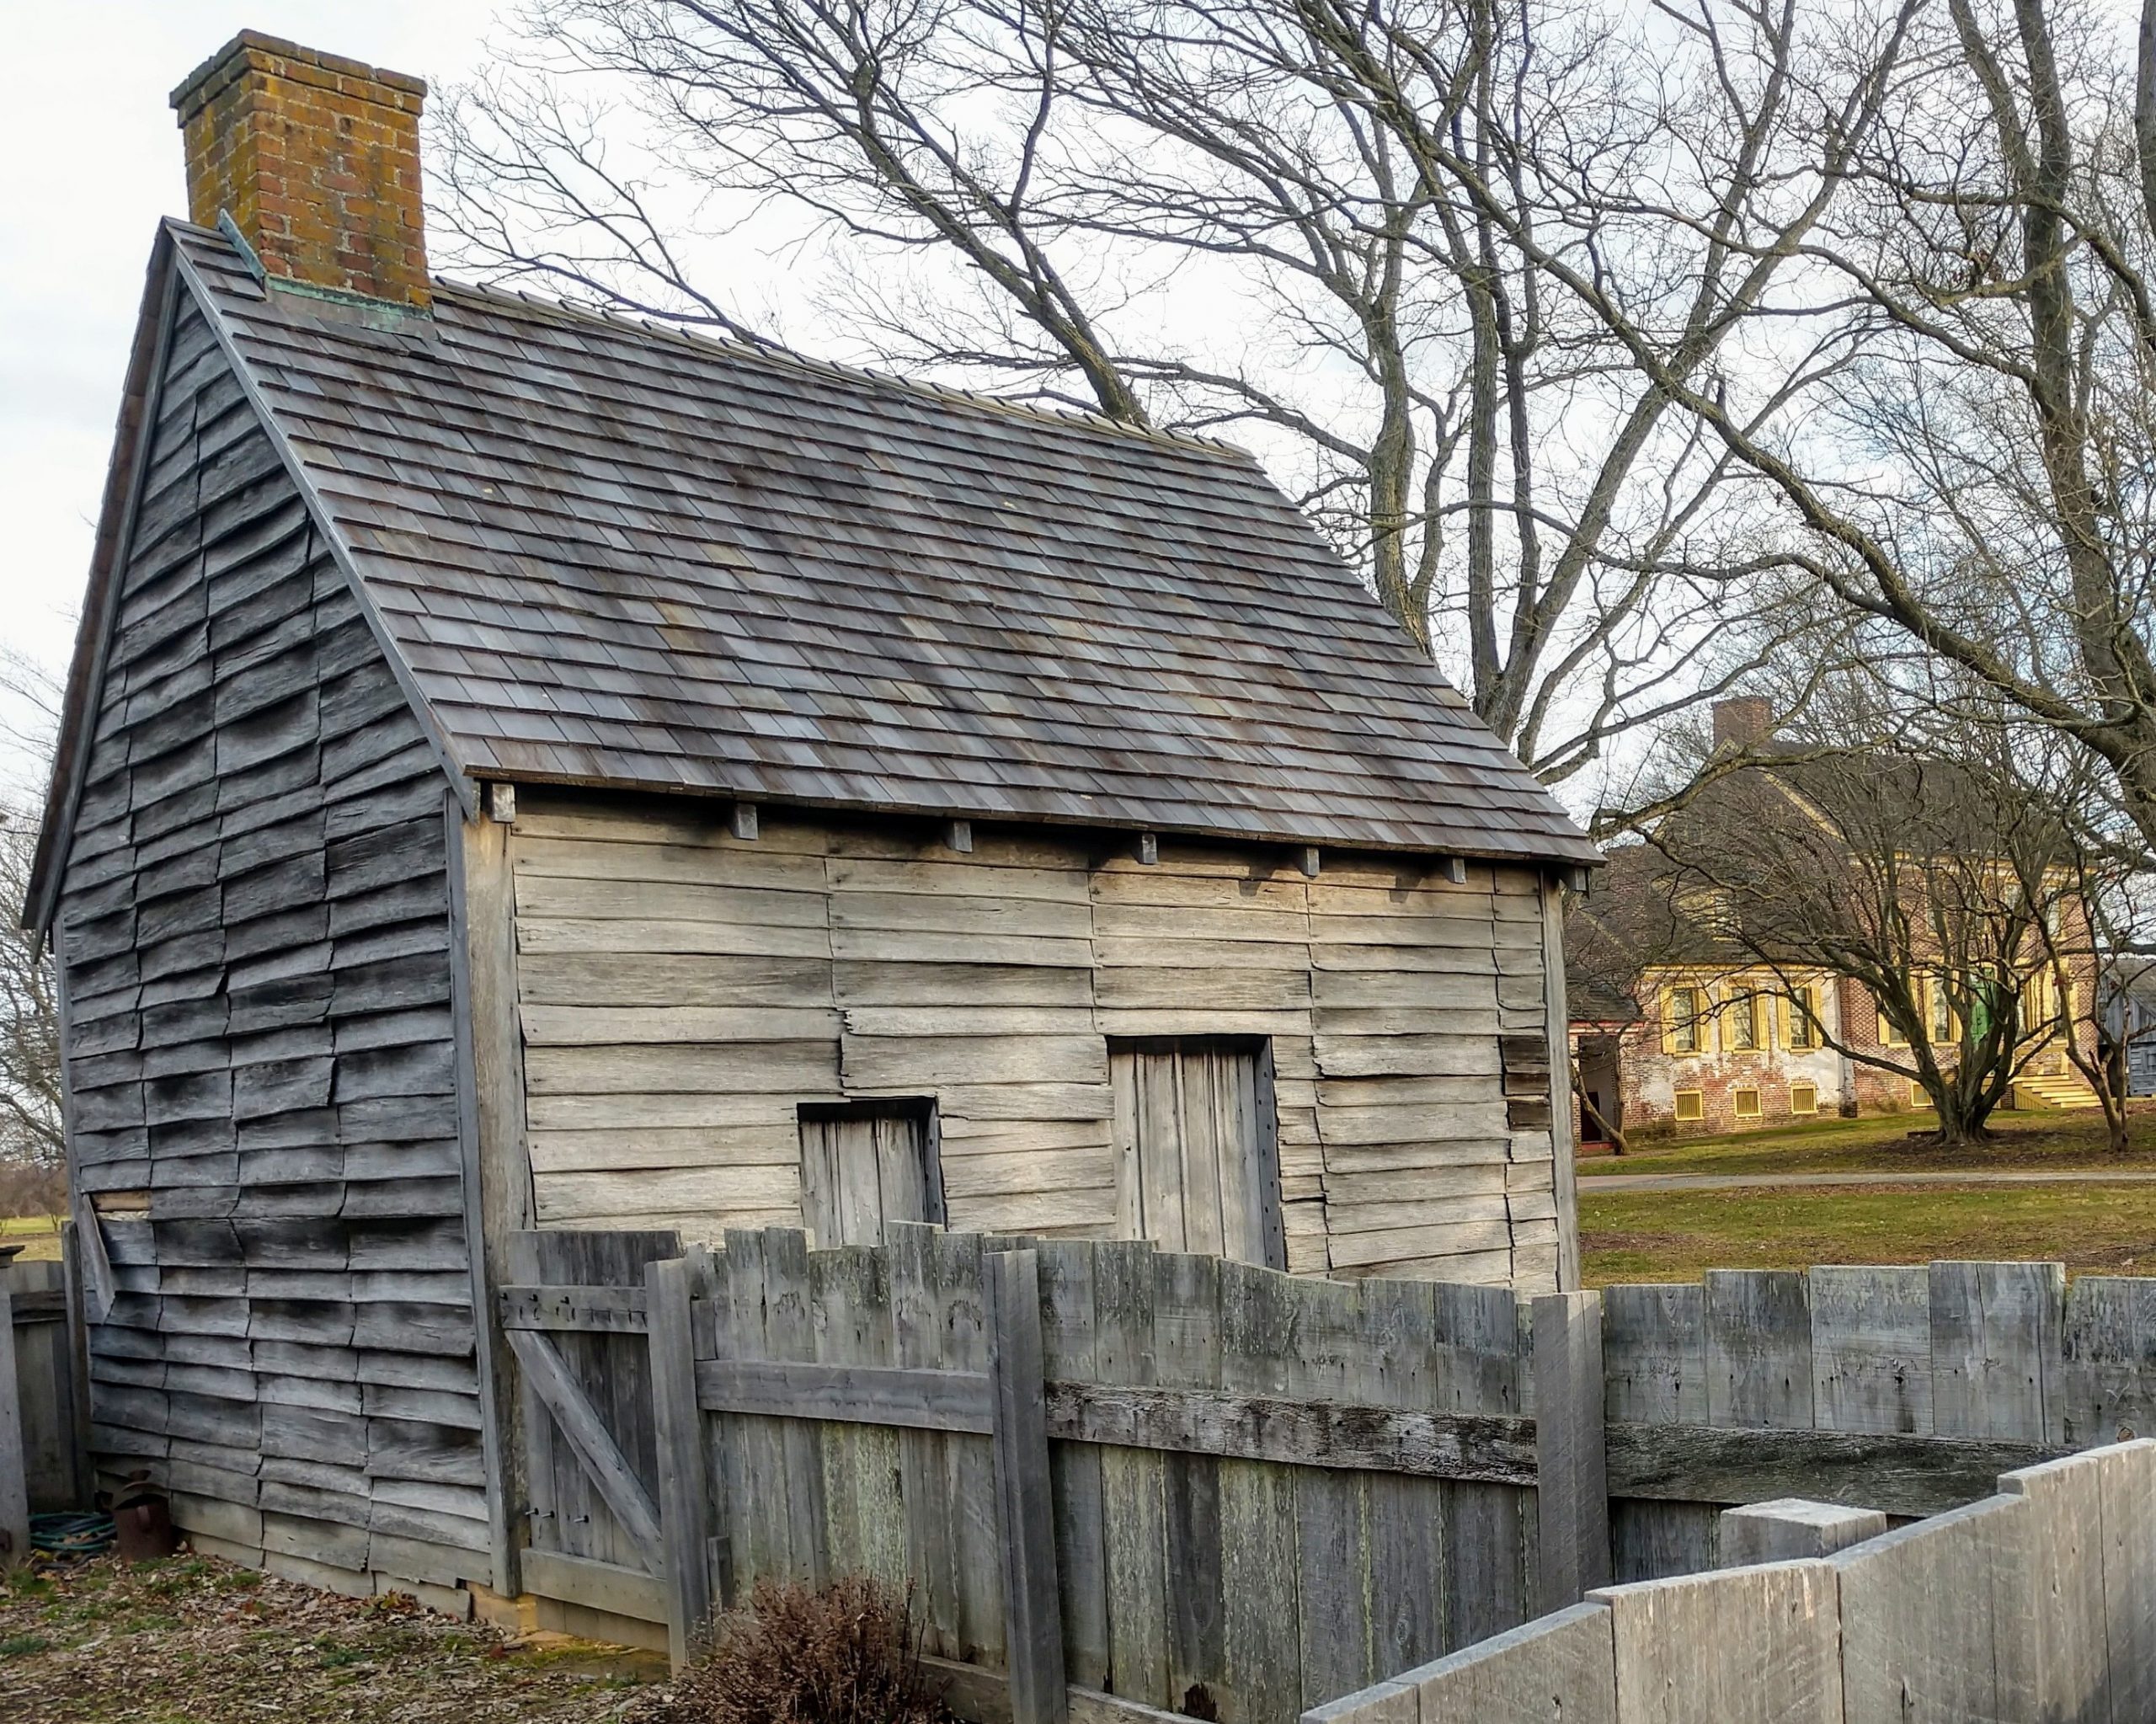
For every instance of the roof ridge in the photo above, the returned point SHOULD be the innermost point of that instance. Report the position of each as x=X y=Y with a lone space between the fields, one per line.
x=763 y=347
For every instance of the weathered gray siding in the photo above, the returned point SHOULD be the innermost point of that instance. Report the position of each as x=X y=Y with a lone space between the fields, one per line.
x=682 y=991
x=255 y=926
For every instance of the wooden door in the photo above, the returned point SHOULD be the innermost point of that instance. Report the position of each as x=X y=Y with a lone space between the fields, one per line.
x=863 y=1167
x=1196 y=1164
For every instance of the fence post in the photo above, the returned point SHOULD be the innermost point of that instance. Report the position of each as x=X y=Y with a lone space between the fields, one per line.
x=1572 y=1485
x=1790 y=1528
x=14 y=1489
x=1025 y=1510
x=684 y=1482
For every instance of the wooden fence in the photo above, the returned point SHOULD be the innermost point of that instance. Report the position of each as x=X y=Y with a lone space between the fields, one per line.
x=2037 y=1604
x=44 y=1402
x=1236 y=1493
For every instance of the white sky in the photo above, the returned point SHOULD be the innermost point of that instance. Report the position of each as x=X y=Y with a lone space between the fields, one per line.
x=94 y=154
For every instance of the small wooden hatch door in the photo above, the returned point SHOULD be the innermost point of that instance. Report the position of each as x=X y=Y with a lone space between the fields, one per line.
x=865 y=1164
x=1197 y=1165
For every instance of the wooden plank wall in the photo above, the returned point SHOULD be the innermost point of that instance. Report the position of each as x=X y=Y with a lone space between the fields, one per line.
x=683 y=990
x=1237 y=1588
x=255 y=926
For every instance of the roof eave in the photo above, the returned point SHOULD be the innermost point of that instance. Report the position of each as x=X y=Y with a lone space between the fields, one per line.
x=1580 y=852
x=94 y=634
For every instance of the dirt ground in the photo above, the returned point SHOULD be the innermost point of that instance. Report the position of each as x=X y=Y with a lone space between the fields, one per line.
x=192 y=1641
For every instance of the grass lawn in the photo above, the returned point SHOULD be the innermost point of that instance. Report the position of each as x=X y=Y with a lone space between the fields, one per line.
x=38 y=1234
x=196 y=1641
x=1673 y=1236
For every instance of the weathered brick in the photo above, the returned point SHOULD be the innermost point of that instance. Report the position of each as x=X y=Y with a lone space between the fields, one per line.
x=317 y=158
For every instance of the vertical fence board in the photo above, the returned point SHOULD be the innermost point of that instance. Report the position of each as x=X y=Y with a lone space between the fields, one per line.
x=923 y=1462
x=970 y=1466
x=2109 y=1360
x=2126 y=1479
x=15 y=1488
x=1257 y=1510
x=684 y=1508
x=1406 y=1515
x=1331 y=1526
x=1186 y=1355
x=1871 y=1349
x=1744 y=1644
x=1571 y=1481
x=789 y=1333
x=1489 y=1575
x=1067 y=1337
x=2061 y=1583
x=1758 y=1334
x=1134 y=1542
x=1996 y=1369
x=1928 y=1617
x=1025 y=1516
x=1654 y=1353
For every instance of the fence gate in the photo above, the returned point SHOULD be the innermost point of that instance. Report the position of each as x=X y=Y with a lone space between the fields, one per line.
x=574 y=1317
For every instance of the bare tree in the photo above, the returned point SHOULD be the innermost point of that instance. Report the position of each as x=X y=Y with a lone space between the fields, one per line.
x=30 y=1129
x=1974 y=481
x=1027 y=193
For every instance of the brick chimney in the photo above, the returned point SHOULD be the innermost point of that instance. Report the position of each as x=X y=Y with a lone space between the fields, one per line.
x=1745 y=721
x=317 y=159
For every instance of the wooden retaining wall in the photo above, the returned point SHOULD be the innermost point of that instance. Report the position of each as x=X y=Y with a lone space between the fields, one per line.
x=2037 y=1604
x=1902 y=1389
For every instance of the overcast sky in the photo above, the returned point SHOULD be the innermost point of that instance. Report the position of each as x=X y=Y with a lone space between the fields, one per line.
x=94 y=158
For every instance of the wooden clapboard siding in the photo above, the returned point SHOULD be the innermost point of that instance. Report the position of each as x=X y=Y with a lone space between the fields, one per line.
x=254 y=922
x=683 y=990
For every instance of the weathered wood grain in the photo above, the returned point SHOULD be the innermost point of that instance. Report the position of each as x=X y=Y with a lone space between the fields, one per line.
x=1560 y=1666
x=1996 y=1351
x=1025 y=1516
x=588 y=1434
x=1870 y=1349
x=1759 y=1349
x=1934 y=1623
x=14 y=1483
x=1571 y=1484
x=1903 y=1476
x=684 y=1512
x=1743 y=1644
x=1788 y=1527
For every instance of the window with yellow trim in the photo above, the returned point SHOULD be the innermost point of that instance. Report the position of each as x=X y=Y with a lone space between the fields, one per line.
x=1747 y=1102
x=1919 y=1097
x=1684 y=1007
x=1802 y=1016
x=1741 y=1025
x=1691 y=1106
x=1803 y=1098
x=1889 y=1036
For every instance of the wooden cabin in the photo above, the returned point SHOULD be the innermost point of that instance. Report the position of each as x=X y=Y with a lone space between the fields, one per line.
x=525 y=768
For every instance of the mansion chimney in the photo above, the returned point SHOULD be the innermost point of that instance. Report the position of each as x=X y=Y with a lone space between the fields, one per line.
x=1744 y=721
x=317 y=160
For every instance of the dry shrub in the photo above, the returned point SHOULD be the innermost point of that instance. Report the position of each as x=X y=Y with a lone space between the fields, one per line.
x=845 y=1653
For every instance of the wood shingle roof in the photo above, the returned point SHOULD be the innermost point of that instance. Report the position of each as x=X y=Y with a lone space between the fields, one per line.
x=611 y=554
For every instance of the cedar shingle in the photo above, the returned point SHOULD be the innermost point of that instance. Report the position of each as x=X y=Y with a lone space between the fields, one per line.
x=619 y=554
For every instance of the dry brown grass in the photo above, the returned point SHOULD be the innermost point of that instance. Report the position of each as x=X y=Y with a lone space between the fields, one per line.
x=845 y=1653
